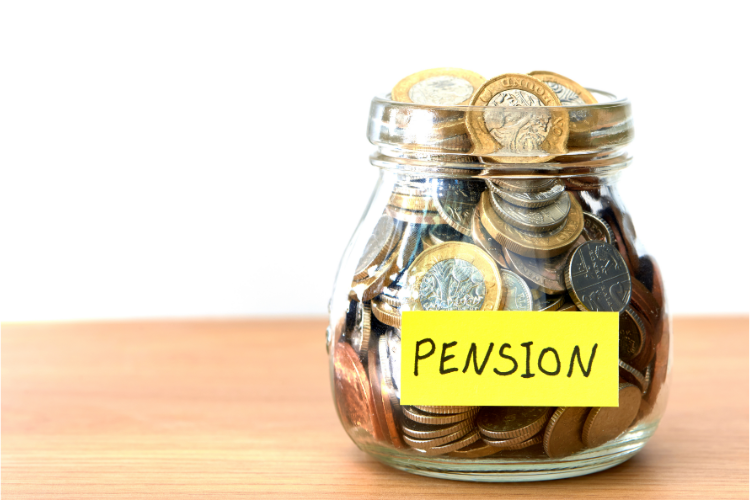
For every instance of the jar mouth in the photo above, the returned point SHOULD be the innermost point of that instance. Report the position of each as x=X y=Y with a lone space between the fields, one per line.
x=499 y=138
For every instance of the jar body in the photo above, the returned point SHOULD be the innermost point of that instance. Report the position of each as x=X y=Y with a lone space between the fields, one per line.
x=410 y=213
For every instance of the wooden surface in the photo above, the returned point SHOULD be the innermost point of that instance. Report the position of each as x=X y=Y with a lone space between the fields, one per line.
x=243 y=409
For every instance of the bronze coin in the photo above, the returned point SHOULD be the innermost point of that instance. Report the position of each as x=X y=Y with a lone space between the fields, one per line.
x=645 y=304
x=507 y=422
x=353 y=393
x=485 y=241
x=427 y=418
x=563 y=434
x=547 y=274
x=632 y=334
x=595 y=229
x=426 y=431
x=374 y=376
x=598 y=278
x=605 y=424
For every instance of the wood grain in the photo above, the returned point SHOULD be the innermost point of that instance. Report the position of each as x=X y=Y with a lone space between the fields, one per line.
x=232 y=409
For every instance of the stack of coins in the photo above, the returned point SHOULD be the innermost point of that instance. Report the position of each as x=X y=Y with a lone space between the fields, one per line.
x=496 y=243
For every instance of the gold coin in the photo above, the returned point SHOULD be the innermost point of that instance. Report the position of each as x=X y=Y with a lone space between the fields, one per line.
x=412 y=202
x=366 y=329
x=509 y=422
x=520 y=136
x=389 y=299
x=535 y=245
x=428 y=418
x=417 y=217
x=481 y=238
x=563 y=434
x=477 y=279
x=426 y=431
x=438 y=87
x=605 y=424
x=386 y=314
x=569 y=92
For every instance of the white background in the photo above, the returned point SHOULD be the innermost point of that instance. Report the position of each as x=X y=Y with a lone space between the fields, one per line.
x=164 y=159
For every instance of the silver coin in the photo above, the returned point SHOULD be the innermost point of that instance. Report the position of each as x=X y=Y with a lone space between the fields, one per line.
x=355 y=336
x=524 y=185
x=452 y=285
x=374 y=248
x=529 y=200
x=536 y=220
x=393 y=342
x=521 y=131
x=517 y=293
x=567 y=96
x=441 y=91
x=455 y=201
x=598 y=278
x=443 y=232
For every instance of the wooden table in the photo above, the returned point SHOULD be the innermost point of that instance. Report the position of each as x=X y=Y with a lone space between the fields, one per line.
x=230 y=409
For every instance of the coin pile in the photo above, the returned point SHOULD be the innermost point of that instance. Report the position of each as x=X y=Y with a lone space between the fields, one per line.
x=496 y=243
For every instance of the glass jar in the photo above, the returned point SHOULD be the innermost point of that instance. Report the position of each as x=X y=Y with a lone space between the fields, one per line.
x=525 y=192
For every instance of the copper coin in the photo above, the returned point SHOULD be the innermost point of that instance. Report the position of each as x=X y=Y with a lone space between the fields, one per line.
x=506 y=422
x=645 y=304
x=477 y=449
x=563 y=434
x=386 y=396
x=374 y=376
x=427 y=418
x=446 y=410
x=483 y=239
x=547 y=274
x=598 y=278
x=605 y=424
x=426 y=431
x=632 y=334
x=353 y=393
x=595 y=229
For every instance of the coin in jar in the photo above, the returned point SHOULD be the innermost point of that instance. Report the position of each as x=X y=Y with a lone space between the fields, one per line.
x=432 y=419
x=527 y=199
x=414 y=216
x=481 y=238
x=547 y=274
x=376 y=248
x=598 y=278
x=455 y=201
x=511 y=444
x=454 y=276
x=594 y=228
x=477 y=449
x=512 y=136
x=562 y=437
x=414 y=203
x=528 y=244
x=354 y=396
x=521 y=185
x=393 y=343
x=438 y=87
x=632 y=334
x=548 y=303
x=507 y=422
x=444 y=233
x=517 y=293
x=569 y=92
x=470 y=438
x=535 y=220
x=385 y=395
x=386 y=314
x=446 y=410
x=605 y=424
x=631 y=374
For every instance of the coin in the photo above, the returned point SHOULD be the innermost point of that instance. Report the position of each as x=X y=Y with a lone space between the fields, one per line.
x=536 y=220
x=453 y=276
x=370 y=287
x=632 y=334
x=598 y=278
x=438 y=87
x=352 y=390
x=507 y=422
x=354 y=334
x=446 y=410
x=567 y=307
x=522 y=185
x=428 y=418
x=515 y=136
x=645 y=304
x=386 y=395
x=425 y=431
x=415 y=216
x=433 y=442
x=481 y=238
x=386 y=314
x=444 y=233
x=549 y=303
x=569 y=92
x=374 y=377
x=477 y=449
x=517 y=294
x=376 y=248
x=605 y=424
x=634 y=375
x=393 y=340
x=510 y=444
x=526 y=199
x=414 y=203
x=562 y=436
x=531 y=244
x=389 y=299
x=547 y=274
x=455 y=200
x=447 y=448
x=594 y=228
x=366 y=329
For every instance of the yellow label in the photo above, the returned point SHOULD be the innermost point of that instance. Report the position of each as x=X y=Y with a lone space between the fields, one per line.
x=509 y=358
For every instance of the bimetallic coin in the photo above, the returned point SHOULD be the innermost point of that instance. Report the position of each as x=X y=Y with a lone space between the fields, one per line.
x=522 y=185
x=563 y=434
x=376 y=248
x=508 y=422
x=594 y=228
x=352 y=390
x=414 y=216
x=453 y=276
x=481 y=238
x=569 y=92
x=470 y=438
x=455 y=200
x=517 y=293
x=526 y=199
x=632 y=334
x=598 y=278
x=517 y=136
x=386 y=314
x=547 y=274
x=428 y=418
x=425 y=431
x=438 y=87
x=605 y=424
x=531 y=244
